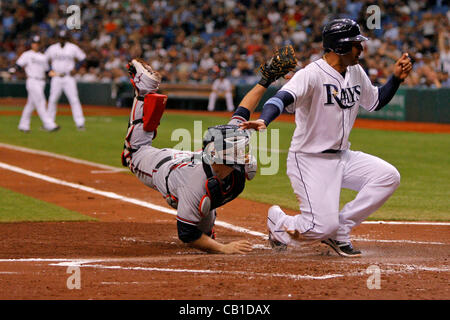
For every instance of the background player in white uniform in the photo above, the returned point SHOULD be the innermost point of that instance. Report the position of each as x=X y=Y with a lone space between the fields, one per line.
x=221 y=86
x=325 y=97
x=36 y=66
x=62 y=56
x=188 y=180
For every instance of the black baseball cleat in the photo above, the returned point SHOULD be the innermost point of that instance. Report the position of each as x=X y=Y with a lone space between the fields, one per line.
x=344 y=249
x=25 y=130
x=275 y=244
x=81 y=128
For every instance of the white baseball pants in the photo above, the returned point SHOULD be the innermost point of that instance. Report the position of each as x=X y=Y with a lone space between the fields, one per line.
x=317 y=180
x=228 y=99
x=67 y=84
x=35 y=100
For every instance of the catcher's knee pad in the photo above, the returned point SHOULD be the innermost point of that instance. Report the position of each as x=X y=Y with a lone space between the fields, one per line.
x=154 y=105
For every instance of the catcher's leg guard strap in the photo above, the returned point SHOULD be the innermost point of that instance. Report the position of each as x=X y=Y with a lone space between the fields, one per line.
x=154 y=105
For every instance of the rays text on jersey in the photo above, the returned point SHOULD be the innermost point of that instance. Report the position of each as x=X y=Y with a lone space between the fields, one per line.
x=347 y=97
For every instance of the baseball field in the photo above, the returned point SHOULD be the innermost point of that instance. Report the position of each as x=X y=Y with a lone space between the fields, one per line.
x=75 y=224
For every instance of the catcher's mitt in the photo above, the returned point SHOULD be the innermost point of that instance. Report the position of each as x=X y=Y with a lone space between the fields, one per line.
x=144 y=79
x=282 y=61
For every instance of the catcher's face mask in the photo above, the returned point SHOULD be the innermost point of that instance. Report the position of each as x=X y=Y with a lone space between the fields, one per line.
x=227 y=144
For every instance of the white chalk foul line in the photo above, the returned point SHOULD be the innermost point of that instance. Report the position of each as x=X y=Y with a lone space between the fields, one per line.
x=202 y=271
x=386 y=268
x=105 y=167
x=88 y=263
x=400 y=241
x=115 y=196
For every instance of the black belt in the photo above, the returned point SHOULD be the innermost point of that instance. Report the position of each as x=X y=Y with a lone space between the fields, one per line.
x=168 y=158
x=331 y=151
x=36 y=78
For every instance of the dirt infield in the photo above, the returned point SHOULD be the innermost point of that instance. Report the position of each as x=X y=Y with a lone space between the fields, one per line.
x=132 y=251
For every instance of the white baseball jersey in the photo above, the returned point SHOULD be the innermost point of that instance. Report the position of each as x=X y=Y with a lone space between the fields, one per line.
x=320 y=163
x=321 y=123
x=36 y=66
x=221 y=85
x=34 y=63
x=63 y=58
x=63 y=62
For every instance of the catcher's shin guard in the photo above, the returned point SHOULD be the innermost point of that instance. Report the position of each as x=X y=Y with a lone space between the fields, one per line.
x=154 y=105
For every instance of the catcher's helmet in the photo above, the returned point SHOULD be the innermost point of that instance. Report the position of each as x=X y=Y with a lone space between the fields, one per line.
x=227 y=144
x=338 y=35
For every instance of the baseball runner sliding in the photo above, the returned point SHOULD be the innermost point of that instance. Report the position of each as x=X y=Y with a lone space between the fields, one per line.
x=325 y=97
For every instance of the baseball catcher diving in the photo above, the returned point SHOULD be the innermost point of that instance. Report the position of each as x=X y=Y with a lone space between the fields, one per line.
x=194 y=183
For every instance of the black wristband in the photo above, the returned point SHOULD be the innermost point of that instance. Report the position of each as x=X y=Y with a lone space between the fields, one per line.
x=265 y=82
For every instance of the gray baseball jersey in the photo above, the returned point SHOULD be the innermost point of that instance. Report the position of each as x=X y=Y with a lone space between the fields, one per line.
x=186 y=181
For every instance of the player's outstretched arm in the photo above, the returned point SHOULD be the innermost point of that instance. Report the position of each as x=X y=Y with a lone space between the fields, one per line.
x=210 y=245
x=252 y=98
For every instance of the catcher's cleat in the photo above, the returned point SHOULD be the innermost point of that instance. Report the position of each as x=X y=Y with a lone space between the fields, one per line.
x=143 y=78
x=344 y=249
x=278 y=237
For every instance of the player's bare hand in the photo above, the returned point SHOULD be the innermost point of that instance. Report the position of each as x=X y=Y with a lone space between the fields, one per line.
x=237 y=247
x=51 y=73
x=403 y=67
x=258 y=125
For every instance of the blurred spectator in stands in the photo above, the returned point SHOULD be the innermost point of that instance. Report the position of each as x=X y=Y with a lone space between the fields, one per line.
x=444 y=50
x=373 y=75
x=90 y=75
x=106 y=76
x=186 y=39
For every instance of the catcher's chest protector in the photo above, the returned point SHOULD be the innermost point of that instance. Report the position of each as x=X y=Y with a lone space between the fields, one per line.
x=218 y=192
x=221 y=192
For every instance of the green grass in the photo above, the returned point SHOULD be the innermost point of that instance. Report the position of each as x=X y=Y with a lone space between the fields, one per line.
x=421 y=158
x=15 y=207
